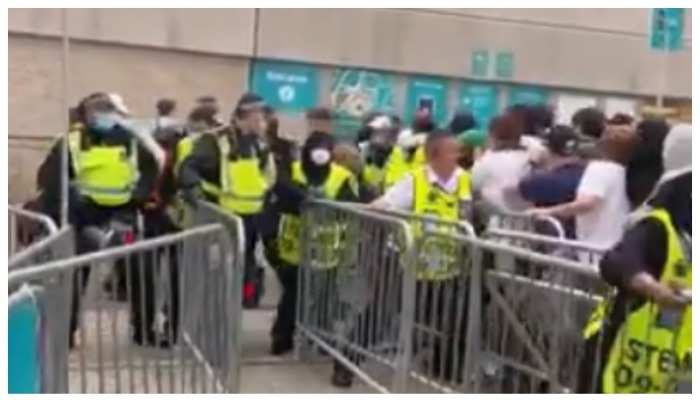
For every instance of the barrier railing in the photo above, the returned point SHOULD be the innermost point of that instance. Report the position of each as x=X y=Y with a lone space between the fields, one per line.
x=543 y=225
x=470 y=315
x=350 y=291
x=59 y=245
x=26 y=228
x=191 y=348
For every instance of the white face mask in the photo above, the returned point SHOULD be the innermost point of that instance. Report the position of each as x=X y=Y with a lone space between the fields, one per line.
x=320 y=156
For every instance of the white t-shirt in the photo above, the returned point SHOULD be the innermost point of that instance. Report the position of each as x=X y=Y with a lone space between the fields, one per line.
x=495 y=176
x=604 y=225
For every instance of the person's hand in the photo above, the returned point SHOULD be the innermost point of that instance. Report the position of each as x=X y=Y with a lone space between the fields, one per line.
x=191 y=196
x=673 y=297
x=539 y=212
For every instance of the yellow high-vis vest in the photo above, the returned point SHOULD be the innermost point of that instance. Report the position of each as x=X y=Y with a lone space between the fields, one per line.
x=383 y=178
x=652 y=348
x=105 y=174
x=243 y=183
x=289 y=233
x=438 y=258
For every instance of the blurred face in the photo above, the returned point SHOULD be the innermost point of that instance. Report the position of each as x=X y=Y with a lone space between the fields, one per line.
x=383 y=138
x=445 y=156
x=252 y=122
x=100 y=114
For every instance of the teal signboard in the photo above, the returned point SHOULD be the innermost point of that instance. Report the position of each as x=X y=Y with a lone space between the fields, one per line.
x=355 y=92
x=287 y=87
x=480 y=63
x=481 y=99
x=428 y=93
x=667 y=29
x=527 y=95
x=504 y=65
x=22 y=346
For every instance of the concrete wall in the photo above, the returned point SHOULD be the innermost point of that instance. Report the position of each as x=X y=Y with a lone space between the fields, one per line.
x=148 y=53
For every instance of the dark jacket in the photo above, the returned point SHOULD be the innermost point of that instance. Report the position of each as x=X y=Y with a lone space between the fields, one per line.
x=49 y=178
x=204 y=163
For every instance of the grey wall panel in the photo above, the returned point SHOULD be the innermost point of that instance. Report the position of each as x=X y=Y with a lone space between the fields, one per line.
x=436 y=43
x=221 y=31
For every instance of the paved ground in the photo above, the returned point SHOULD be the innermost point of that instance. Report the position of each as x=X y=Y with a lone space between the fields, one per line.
x=131 y=369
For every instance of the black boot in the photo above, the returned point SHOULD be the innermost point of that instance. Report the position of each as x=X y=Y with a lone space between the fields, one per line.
x=281 y=345
x=342 y=377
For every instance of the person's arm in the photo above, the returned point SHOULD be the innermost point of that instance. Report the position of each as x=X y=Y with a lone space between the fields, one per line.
x=48 y=177
x=398 y=197
x=149 y=172
x=480 y=174
x=203 y=162
x=637 y=263
x=533 y=188
x=594 y=185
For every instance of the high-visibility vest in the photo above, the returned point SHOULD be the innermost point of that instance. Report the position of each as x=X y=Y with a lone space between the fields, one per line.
x=394 y=169
x=183 y=150
x=243 y=183
x=105 y=174
x=289 y=233
x=652 y=347
x=418 y=158
x=438 y=258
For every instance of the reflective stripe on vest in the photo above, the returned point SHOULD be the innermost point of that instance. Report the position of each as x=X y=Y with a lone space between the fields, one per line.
x=652 y=347
x=438 y=258
x=243 y=182
x=105 y=174
x=326 y=238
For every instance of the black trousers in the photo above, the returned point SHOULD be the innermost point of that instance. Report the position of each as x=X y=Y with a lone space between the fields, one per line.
x=285 y=321
x=253 y=275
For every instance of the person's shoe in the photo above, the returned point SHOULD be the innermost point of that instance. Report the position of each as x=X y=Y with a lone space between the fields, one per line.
x=281 y=346
x=342 y=378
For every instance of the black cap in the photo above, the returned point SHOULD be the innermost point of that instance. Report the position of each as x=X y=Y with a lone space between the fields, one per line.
x=249 y=102
x=562 y=140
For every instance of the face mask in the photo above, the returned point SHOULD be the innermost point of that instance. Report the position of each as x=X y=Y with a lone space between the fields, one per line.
x=105 y=122
x=320 y=156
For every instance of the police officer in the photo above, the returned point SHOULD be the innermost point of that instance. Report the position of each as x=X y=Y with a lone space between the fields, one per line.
x=314 y=176
x=383 y=160
x=641 y=340
x=110 y=175
x=234 y=168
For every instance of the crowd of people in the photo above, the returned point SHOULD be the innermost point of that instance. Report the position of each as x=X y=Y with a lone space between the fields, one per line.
x=590 y=174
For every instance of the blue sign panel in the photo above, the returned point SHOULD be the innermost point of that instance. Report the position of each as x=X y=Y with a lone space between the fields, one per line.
x=22 y=343
x=667 y=29
x=481 y=99
x=287 y=87
x=527 y=95
x=428 y=93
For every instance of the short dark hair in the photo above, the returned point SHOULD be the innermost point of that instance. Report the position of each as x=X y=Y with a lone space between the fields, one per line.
x=435 y=138
x=320 y=114
x=248 y=102
x=165 y=107
x=621 y=119
x=590 y=121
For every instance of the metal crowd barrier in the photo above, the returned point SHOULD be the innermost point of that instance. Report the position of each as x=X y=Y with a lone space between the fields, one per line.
x=189 y=347
x=59 y=245
x=521 y=222
x=560 y=247
x=350 y=291
x=26 y=228
x=507 y=319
